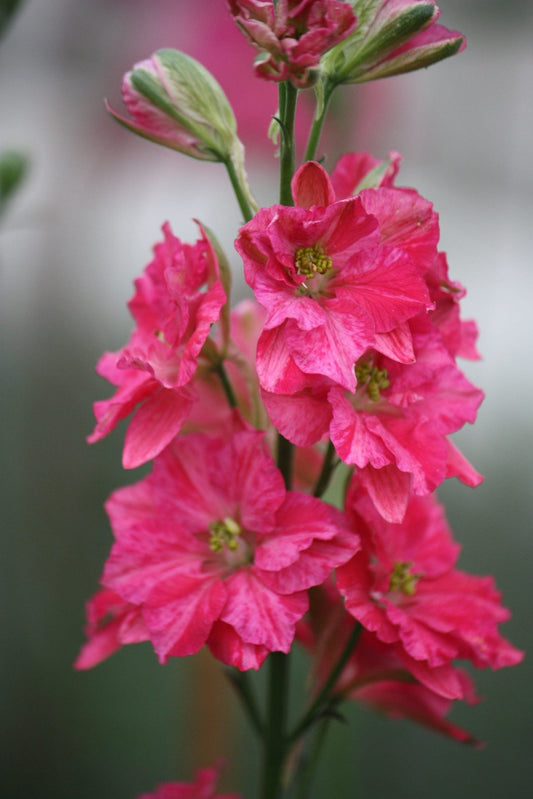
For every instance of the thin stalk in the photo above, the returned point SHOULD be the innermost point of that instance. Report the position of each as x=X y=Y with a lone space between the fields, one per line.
x=275 y=750
x=324 y=698
x=226 y=385
x=240 y=194
x=311 y=761
x=287 y=110
x=288 y=96
x=241 y=683
x=275 y=742
x=318 y=123
x=285 y=459
x=328 y=467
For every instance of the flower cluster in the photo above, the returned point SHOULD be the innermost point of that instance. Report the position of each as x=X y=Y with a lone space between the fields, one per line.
x=357 y=343
x=346 y=354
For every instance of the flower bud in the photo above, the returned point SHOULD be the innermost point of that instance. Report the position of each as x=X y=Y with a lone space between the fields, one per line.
x=174 y=101
x=393 y=36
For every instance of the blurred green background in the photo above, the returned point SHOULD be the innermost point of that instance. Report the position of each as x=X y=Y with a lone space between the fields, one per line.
x=79 y=229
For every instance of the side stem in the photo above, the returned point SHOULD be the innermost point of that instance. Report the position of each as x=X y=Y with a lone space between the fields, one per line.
x=324 y=697
x=287 y=108
x=318 y=123
x=275 y=741
x=240 y=194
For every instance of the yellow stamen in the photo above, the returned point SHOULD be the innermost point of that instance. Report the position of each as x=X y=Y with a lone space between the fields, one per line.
x=402 y=579
x=311 y=261
x=224 y=532
x=371 y=379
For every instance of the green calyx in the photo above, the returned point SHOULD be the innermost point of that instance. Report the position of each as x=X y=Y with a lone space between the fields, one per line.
x=374 y=38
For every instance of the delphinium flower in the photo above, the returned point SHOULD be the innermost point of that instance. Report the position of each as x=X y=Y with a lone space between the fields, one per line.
x=403 y=586
x=213 y=550
x=332 y=284
x=379 y=675
x=412 y=614
x=177 y=299
x=292 y=35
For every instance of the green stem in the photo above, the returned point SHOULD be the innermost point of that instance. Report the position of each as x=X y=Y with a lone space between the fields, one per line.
x=287 y=110
x=318 y=122
x=306 y=773
x=328 y=467
x=284 y=459
x=324 y=698
x=241 y=683
x=228 y=388
x=240 y=194
x=275 y=742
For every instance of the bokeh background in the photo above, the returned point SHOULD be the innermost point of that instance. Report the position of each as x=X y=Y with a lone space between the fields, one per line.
x=79 y=230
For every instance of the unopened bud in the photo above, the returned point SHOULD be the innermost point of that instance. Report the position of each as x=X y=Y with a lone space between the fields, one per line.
x=174 y=101
x=391 y=38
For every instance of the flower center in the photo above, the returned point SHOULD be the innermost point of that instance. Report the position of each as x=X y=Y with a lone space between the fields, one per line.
x=402 y=579
x=224 y=533
x=311 y=261
x=371 y=379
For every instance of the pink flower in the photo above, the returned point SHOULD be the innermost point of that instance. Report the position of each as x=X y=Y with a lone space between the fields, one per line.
x=334 y=282
x=394 y=427
x=177 y=299
x=404 y=588
x=292 y=35
x=379 y=675
x=213 y=549
x=203 y=787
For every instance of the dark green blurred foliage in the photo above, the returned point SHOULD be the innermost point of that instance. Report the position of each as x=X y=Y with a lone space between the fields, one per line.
x=7 y=10
x=13 y=169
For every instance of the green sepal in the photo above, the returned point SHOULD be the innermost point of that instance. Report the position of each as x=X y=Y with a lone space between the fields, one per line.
x=373 y=178
x=226 y=279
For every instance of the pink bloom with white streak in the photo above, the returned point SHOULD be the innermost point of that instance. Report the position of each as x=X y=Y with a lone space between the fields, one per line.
x=213 y=549
x=176 y=301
